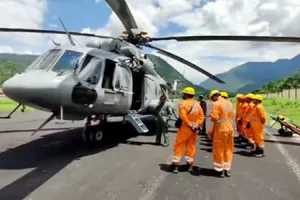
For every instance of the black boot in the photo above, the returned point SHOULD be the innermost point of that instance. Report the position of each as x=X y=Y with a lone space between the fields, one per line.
x=259 y=153
x=189 y=168
x=174 y=168
x=221 y=174
x=227 y=173
x=165 y=144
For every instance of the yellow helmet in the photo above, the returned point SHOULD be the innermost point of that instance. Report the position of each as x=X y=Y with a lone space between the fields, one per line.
x=224 y=94
x=250 y=95
x=239 y=96
x=213 y=92
x=258 y=97
x=189 y=90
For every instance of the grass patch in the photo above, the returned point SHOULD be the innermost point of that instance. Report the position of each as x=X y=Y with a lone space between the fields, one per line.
x=7 y=105
x=288 y=108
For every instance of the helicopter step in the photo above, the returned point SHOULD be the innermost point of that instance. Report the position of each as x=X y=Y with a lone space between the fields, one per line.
x=133 y=118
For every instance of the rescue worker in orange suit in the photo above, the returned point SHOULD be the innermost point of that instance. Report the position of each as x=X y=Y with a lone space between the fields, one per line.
x=238 y=115
x=224 y=95
x=222 y=133
x=257 y=119
x=246 y=124
x=192 y=118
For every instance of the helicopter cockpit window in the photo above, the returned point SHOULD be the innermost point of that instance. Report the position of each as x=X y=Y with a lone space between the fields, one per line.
x=44 y=61
x=91 y=70
x=68 y=61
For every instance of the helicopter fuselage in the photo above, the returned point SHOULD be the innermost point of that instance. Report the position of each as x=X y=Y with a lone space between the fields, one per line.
x=85 y=81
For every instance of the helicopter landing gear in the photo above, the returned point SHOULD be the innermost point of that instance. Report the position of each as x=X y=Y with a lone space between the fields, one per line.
x=93 y=131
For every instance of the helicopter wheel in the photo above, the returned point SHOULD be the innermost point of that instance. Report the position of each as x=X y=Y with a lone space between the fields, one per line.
x=97 y=136
x=93 y=134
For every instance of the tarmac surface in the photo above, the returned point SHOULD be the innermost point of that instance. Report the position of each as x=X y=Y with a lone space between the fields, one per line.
x=55 y=164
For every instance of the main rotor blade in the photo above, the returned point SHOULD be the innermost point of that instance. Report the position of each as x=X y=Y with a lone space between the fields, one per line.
x=123 y=12
x=25 y=30
x=230 y=38
x=179 y=59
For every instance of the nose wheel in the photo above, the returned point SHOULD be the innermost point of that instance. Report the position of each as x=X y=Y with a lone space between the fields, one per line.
x=93 y=132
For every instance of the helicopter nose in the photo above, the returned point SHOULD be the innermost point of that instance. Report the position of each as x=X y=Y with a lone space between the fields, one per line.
x=35 y=89
x=9 y=87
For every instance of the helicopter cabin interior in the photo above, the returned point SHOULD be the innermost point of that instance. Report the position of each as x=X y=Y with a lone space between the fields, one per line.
x=112 y=79
x=138 y=90
x=115 y=78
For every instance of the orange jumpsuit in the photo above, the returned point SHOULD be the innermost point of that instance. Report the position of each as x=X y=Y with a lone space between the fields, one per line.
x=186 y=137
x=257 y=120
x=222 y=134
x=247 y=131
x=243 y=108
x=238 y=115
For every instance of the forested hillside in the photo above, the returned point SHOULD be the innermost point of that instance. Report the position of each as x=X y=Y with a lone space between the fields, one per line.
x=11 y=64
x=170 y=74
x=253 y=75
x=282 y=84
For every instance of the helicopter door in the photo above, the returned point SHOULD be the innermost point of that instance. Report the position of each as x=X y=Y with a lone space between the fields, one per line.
x=122 y=83
x=117 y=86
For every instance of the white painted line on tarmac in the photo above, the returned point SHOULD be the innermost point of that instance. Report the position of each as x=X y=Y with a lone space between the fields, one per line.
x=290 y=161
x=150 y=191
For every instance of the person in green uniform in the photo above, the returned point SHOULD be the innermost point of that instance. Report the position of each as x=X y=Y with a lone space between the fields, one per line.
x=162 y=113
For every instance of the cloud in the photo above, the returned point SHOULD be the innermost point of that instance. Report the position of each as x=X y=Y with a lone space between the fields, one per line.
x=22 y=14
x=198 y=17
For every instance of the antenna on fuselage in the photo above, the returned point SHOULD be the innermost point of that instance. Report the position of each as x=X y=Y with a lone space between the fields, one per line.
x=55 y=43
x=69 y=35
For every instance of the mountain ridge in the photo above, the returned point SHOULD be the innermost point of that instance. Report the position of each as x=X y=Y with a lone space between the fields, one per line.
x=250 y=76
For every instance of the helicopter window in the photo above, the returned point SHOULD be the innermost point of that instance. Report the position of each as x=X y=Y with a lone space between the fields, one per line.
x=43 y=62
x=121 y=78
x=108 y=74
x=91 y=70
x=67 y=61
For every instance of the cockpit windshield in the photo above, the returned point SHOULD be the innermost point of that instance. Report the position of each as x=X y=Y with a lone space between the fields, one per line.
x=67 y=61
x=44 y=61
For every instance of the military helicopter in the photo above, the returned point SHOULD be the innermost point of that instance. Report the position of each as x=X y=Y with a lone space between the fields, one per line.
x=100 y=80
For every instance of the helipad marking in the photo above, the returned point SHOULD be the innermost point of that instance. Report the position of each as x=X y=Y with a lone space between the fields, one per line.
x=290 y=161
x=149 y=192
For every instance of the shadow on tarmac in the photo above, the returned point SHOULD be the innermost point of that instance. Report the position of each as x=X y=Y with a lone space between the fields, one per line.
x=51 y=153
x=197 y=171
x=32 y=130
